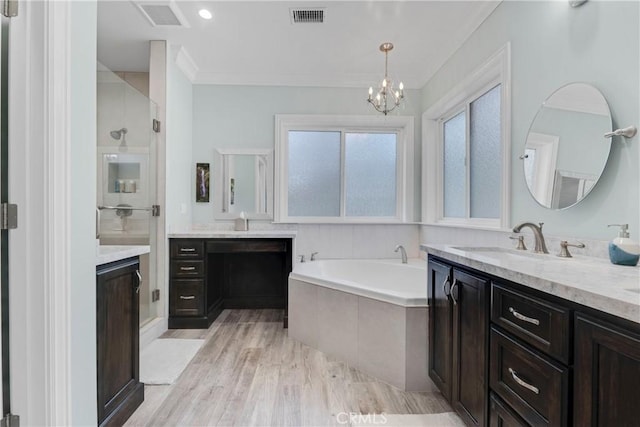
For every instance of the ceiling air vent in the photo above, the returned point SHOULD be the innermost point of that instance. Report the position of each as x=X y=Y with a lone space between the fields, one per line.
x=307 y=16
x=162 y=13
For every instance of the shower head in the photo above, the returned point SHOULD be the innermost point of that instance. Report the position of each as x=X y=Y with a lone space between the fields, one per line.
x=117 y=134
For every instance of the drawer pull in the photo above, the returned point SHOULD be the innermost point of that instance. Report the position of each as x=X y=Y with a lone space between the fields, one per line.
x=187 y=297
x=523 y=317
x=524 y=384
x=187 y=249
x=187 y=268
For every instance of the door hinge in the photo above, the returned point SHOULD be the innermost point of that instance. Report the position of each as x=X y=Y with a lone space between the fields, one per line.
x=8 y=216
x=155 y=210
x=155 y=295
x=10 y=8
x=10 y=420
x=156 y=126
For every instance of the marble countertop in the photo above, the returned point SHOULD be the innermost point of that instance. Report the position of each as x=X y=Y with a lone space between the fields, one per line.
x=109 y=253
x=593 y=282
x=231 y=234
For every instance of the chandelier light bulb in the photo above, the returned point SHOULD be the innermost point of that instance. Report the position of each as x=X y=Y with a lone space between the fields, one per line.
x=401 y=86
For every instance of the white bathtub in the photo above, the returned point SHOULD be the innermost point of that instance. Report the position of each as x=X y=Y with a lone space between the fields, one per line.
x=385 y=280
x=372 y=314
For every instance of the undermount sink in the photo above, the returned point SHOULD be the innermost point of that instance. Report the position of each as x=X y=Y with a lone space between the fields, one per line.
x=502 y=252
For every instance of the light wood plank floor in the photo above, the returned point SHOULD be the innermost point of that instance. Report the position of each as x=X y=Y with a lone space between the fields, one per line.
x=250 y=373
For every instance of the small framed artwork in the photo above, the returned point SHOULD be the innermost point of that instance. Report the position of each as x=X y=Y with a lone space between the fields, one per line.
x=202 y=182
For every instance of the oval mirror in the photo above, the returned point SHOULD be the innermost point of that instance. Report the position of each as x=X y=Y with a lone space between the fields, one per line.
x=566 y=150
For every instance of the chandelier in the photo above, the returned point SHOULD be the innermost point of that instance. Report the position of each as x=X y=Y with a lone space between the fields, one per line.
x=387 y=98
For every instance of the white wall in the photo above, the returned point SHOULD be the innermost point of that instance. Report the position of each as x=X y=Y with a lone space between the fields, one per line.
x=180 y=169
x=243 y=117
x=83 y=196
x=553 y=44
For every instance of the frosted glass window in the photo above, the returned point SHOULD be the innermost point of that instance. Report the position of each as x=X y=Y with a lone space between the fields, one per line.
x=486 y=155
x=455 y=173
x=370 y=174
x=314 y=173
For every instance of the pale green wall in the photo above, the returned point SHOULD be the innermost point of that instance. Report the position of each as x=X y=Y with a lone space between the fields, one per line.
x=83 y=196
x=243 y=117
x=180 y=170
x=553 y=44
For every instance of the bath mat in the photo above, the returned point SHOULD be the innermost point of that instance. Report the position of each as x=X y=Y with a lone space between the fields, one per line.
x=162 y=361
x=446 y=419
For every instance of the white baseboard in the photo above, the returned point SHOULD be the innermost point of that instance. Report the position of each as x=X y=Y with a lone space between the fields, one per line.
x=153 y=330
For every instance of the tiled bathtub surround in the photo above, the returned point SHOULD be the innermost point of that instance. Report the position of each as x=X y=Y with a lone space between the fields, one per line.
x=332 y=240
x=384 y=340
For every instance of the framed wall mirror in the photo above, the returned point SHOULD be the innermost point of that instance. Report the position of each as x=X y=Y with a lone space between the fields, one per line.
x=243 y=183
x=566 y=151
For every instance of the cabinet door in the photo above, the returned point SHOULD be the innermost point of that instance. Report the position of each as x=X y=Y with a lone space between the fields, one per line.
x=119 y=388
x=606 y=374
x=469 y=392
x=440 y=332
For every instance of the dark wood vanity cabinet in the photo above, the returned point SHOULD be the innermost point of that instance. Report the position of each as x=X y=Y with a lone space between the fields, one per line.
x=440 y=329
x=120 y=391
x=606 y=373
x=458 y=339
x=208 y=275
x=520 y=357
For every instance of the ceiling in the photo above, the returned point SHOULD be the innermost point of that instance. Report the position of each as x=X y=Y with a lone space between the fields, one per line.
x=255 y=42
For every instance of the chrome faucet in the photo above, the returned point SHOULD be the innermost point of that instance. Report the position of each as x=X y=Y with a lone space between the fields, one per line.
x=403 y=253
x=540 y=246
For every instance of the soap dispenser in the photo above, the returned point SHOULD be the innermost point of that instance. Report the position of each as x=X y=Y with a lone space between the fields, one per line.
x=623 y=250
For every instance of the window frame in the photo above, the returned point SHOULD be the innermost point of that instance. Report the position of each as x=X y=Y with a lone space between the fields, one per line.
x=403 y=126
x=495 y=71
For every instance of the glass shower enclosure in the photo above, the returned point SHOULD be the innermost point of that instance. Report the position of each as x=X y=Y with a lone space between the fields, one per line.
x=127 y=175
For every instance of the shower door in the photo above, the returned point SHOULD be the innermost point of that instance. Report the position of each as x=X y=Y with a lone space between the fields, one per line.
x=127 y=175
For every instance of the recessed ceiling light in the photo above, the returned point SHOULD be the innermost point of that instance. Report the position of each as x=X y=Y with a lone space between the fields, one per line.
x=205 y=14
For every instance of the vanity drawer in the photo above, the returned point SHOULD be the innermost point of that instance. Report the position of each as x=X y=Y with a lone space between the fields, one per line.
x=187 y=248
x=187 y=268
x=500 y=415
x=187 y=297
x=533 y=385
x=542 y=324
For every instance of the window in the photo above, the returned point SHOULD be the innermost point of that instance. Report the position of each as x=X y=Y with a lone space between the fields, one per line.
x=466 y=150
x=343 y=169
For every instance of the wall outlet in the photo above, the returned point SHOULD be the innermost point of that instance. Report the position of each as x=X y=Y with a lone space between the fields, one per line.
x=155 y=295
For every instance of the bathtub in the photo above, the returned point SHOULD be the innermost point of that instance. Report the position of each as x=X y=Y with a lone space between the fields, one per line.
x=371 y=314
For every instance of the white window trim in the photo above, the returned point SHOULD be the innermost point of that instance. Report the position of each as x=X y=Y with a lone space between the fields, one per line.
x=404 y=125
x=496 y=70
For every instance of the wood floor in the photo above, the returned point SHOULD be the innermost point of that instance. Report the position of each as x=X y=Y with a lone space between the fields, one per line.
x=250 y=373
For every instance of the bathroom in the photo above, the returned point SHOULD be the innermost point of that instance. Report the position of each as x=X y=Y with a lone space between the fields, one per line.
x=539 y=46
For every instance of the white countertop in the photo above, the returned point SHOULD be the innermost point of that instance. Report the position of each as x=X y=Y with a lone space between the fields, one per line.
x=593 y=282
x=231 y=234
x=107 y=254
